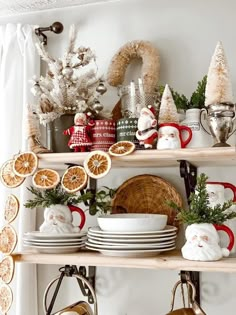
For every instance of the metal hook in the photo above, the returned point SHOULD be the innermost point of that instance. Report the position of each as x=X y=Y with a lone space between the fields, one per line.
x=56 y=27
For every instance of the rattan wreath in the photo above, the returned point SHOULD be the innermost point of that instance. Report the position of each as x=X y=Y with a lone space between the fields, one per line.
x=147 y=194
x=129 y=52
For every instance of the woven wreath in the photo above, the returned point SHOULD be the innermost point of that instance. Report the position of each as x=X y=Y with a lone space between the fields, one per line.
x=129 y=52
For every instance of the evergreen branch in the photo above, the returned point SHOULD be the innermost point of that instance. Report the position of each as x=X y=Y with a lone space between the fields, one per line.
x=200 y=210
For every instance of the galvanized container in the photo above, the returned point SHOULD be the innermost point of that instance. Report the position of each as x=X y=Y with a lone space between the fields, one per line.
x=56 y=141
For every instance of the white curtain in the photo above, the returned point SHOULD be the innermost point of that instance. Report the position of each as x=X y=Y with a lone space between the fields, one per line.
x=19 y=61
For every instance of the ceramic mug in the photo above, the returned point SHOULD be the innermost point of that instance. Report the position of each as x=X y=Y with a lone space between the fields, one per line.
x=170 y=136
x=202 y=242
x=58 y=219
x=216 y=192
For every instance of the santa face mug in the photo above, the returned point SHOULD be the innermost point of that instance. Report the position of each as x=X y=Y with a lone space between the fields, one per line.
x=216 y=192
x=202 y=242
x=58 y=219
x=170 y=136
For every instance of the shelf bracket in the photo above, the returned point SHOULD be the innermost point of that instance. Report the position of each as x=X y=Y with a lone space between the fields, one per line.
x=69 y=271
x=189 y=172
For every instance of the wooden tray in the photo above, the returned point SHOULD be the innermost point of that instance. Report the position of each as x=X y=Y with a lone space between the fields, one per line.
x=147 y=194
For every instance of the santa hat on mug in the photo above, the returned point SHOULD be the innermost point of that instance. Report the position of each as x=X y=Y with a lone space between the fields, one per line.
x=168 y=111
x=149 y=110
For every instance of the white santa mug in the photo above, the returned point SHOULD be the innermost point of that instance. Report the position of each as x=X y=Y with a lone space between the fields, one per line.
x=202 y=242
x=170 y=136
x=58 y=219
x=216 y=192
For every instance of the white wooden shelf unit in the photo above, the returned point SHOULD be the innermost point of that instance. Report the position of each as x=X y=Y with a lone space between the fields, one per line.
x=153 y=158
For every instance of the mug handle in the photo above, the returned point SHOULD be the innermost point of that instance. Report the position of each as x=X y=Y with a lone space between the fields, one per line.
x=226 y=185
x=229 y=232
x=81 y=213
x=203 y=110
x=189 y=130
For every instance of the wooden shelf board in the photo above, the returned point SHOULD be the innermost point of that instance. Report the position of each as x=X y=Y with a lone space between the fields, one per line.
x=171 y=261
x=149 y=158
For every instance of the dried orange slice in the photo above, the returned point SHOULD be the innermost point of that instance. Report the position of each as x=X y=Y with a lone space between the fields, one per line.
x=11 y=208
x=8 y=176
x=74 y=179
x=97 y=164
x=25 y=164
x=6 y=298
x=122 y=148
x=46 y=178
x=8 y=239
x=7 y=267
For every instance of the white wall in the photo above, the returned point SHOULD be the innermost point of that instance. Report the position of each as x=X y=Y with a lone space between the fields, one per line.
x=186 y=33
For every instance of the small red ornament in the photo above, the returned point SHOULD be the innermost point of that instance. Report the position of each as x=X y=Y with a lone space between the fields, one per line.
x=80 y=139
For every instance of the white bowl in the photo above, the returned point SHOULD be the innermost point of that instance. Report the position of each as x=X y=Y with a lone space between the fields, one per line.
x=130 y=222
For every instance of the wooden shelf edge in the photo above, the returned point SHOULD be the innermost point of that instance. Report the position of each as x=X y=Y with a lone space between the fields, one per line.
x=171 y=261
x=146 y=158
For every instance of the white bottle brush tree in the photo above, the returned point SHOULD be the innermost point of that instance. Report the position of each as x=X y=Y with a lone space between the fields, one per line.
x=70 y=85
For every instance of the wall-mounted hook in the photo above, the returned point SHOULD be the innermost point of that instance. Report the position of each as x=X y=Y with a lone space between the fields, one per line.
x=56 y=27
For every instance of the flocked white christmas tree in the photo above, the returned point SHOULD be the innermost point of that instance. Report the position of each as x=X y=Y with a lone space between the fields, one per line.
x=71 y=84
x=218 y=87
x=168 y=111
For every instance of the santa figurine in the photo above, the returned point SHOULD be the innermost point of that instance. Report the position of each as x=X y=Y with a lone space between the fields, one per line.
x=147 y=123
x=80 y=139
x=57 y=220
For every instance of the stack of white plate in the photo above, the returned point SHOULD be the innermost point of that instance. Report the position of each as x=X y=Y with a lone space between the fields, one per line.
x=55 y=243
x=132 y=244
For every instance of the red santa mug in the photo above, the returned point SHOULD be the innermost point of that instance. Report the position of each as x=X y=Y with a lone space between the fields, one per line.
x=170 y=136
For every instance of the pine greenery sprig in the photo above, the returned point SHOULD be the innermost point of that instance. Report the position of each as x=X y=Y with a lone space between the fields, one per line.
x=100 y=202
x=197 y=99
x=200 y=210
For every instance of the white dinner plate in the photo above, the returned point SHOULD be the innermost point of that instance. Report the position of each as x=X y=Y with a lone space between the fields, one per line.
x=55 y=241
x=94 y=242
x=129 y=239
x=96 y=230
x=131 y=253
x=41 y=235
x=53 y=244
x=127 y=246
x=56 y=250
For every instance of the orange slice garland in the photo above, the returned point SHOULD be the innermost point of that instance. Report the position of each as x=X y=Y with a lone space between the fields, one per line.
x=8 y=176
x=122 y=148
x=25 y=164
x=7 y=267
x=97 y=164
x=74 y=179
x=46 y=179
x=11 y=208
x=6 y=298
x=8 y=239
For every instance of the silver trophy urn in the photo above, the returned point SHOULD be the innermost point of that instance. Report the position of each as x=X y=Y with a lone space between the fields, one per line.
x=220 y=120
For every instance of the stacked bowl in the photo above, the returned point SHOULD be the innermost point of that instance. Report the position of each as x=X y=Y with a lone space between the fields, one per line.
x=132 y=235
